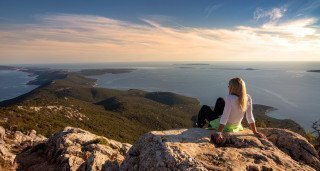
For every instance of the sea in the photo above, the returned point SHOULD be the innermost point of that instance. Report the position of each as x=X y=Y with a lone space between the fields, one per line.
x=286 y=86
x=14 y=83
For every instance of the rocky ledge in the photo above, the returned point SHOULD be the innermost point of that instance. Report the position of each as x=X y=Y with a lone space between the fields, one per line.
x=190 y=149
x=12 y=143
x=70 y=149
x=183 y=149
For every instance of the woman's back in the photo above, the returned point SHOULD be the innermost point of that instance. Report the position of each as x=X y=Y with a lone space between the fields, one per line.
x=232 y=113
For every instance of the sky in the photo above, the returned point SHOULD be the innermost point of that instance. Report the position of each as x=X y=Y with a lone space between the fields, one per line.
x=82 y=31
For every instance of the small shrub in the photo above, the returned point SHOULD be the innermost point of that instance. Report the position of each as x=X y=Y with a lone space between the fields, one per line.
x=103 y=141
x=312 y=138
x=98 y=141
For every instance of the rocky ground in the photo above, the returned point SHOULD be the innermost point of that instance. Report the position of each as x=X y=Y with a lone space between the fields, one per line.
x=70 y=149
x=181 y=149
x=190 y=149
x=13 y=143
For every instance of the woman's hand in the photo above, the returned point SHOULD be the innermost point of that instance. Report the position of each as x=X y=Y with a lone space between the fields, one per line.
x=218 y=138
x=259 y=135
x=254 y=130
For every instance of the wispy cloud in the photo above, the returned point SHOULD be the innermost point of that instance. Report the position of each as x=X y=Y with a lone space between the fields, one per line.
x=210 y=8
x=87 y=38
x=309 y=7
x=291 y=30
x=272 y=15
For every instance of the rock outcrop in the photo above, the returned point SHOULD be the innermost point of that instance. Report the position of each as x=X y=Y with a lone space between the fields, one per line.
x=14 y=142
x=74 y=149
x=190 y=149
x=294 y=145
x=183 y=149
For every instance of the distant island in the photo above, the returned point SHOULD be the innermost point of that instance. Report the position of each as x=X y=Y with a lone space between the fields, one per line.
x=249 y=69
x=192 y=64
x=185 y=67
x=314 y=71
x=7 y=68
x=197 y=64
x=91 y=72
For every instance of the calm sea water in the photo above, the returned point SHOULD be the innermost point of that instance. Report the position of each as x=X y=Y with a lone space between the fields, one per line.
x=13 y=84
x=285 y=86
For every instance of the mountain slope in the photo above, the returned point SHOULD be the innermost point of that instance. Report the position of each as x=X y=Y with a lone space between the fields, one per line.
x=74 y=102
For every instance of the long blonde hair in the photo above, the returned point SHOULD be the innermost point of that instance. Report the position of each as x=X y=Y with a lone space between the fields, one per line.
x=238 y=87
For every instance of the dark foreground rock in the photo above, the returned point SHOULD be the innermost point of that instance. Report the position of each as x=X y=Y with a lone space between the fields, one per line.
x=190 y=149
x=74 y=149
x=12 y=143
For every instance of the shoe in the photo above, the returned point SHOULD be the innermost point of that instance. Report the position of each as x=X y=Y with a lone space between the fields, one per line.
x=196 y=125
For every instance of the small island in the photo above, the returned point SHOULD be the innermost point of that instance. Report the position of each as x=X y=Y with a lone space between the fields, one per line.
x=246 y=69
x=191 y=64
x=92 y=72
x=2 y=68
x=185 y=67
x=197 y=64
x=317 y=70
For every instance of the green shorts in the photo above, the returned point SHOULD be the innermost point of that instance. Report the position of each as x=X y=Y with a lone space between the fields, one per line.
x=214 y=124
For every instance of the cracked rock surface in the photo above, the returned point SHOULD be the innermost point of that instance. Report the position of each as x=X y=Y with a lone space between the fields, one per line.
x=190 y=149
x=74 y=149
x=181 y=149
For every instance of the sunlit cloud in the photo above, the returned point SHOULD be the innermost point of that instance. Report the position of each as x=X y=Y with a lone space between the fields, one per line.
x=292 y=29
x=62 y=38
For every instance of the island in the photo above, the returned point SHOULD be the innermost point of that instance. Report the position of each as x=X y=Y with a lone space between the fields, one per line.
x=197 y=64
x=248 y=69
x=185 y=67
x=191 y=64
x=318 y=71
x=2 y=67
x=92 y=72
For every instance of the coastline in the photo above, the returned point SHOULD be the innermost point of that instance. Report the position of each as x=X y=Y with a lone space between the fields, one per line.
x=62 y=82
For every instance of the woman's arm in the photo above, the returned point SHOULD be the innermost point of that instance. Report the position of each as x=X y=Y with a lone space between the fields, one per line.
x=218 y=137
x=254 y=130
x=225 y=115
x=221 y=128
x=223 y=120
x=250 y=119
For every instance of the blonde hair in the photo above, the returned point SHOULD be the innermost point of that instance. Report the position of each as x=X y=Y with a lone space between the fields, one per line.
x=238 y=87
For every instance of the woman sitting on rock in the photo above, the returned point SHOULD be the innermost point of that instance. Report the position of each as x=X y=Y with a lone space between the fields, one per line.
x=228 y=114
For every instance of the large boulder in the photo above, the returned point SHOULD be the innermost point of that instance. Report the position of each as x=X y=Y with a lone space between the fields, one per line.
x=190 y=149
x=294 y=145
x=21 y=141
x=12 y=143
x=2 y=134
x=74 y=149
x=6 y=158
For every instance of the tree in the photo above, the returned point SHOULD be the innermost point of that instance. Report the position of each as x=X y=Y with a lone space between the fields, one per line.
x=316 y=127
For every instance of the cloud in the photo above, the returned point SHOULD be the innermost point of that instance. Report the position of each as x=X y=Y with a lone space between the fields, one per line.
x=271 y=15
x=61 y=38
x=292 y=29
x=210 y=8
x=309 y=7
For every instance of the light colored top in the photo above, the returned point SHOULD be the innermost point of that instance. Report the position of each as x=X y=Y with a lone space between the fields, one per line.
x=232 y=113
